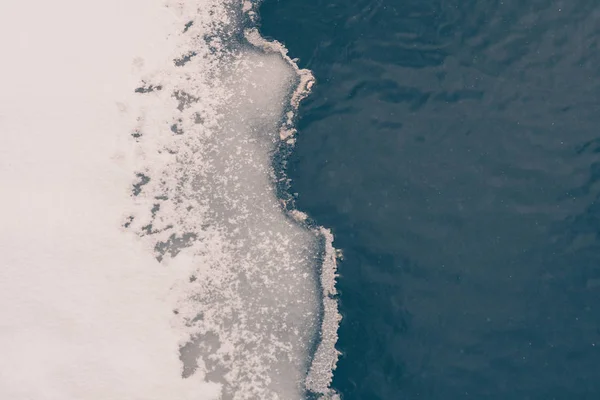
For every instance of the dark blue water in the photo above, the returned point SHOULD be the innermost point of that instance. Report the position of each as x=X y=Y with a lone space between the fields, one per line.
x=453 y=147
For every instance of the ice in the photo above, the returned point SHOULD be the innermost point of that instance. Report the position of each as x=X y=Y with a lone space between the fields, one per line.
x=145 y=253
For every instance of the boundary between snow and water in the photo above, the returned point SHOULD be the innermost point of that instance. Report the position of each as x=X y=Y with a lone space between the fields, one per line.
x=320 y=373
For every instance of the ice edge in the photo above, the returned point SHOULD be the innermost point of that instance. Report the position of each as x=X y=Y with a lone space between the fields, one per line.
x=324 y=361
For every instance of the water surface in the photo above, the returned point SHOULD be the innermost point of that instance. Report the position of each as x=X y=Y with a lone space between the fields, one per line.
x=453 y=148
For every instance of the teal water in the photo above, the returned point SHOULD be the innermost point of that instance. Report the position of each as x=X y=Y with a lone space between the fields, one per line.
x=453 y=147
